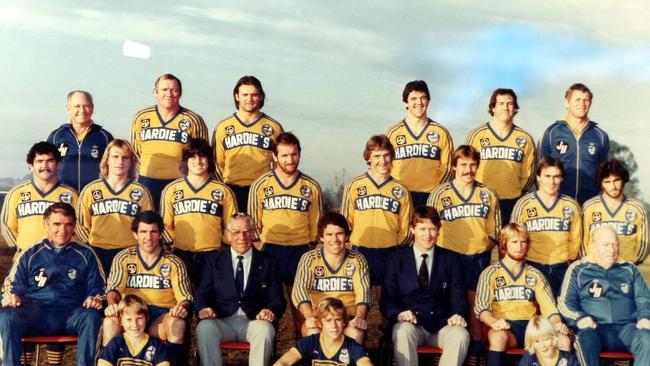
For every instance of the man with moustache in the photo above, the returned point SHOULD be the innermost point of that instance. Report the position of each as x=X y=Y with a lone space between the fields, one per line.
x=81 y=142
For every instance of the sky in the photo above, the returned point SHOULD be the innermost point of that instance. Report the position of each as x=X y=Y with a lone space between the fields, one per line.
x=333 y=71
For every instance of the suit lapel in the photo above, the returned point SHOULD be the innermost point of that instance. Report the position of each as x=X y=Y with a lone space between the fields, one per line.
x=254 y=271
x=226 y=264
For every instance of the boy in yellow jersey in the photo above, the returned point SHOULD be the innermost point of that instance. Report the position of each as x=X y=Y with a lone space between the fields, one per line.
x=552 y=221
x=421 y=145
x=510 y=292
x=471 y=220
x=24 y=205
x=194 y=208
x=333 y=271
x=507 y=152
x=611 y=207
x=156 y=276
x=378 y=208
x=159 y=132
x=108 y=205
x=242 y=142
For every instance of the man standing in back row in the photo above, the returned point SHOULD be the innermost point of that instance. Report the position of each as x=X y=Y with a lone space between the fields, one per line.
x=242 y=143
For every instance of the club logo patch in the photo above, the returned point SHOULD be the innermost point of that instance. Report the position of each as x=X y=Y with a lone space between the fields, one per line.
x=131 y=268
x=66 y=197
x=521 y=142
x=319 y=271
x=136 y=194
x=344 y=356
x=630 y=216
x=485 y=142
x=305 y=191
x=148 y=355
x=41 y=278
x=625 y=288
x=397 y=192
x=485 y=197
x=567 y=212
x=145 y=123
x=25 y=196
x=433 y=137
x=596 y=216
x=596 y=289
x=268 y=191
x=362 y=191
x=501 y=281
x=349 y=269
x=165 y=270
x=72 y=274
x=94 y=152
x=562 y=147
x=267 y=130
x=591 y=149
x=184 y=125
x=217 y=195
x=401 y=140
x=178 y=195
x=230 y=130
x=562 y=362
x=63 y=149
x=531 y=280
x=531 y=212
x=446 y=201
x=97 y=195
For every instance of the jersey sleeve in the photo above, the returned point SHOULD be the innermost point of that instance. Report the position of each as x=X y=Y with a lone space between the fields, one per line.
x=347 y=206
x=9 y=219
x=118 y=275
x=306 y=345
x=575 y=235
x=545 y=297
x=146 y=203
x=84 y=217
x=167 y=213
x=403 y=234
x=494 y=219
x=96 y=282
x=135 y=136
x=527 y=173
x=180 y=281
x=315 y=213
x=544 y=148
x=357 y=352
x=569 y=300
x=483 y=300
x=517 y=212
x=643 y=234
x=200 y=128
x=300 y=292
x=586 y=230
x=110 y=354
x=219 y=153
x=361 y=282
x=641 y=295
x=255 y=204
x=161 y=358
x=446 y=150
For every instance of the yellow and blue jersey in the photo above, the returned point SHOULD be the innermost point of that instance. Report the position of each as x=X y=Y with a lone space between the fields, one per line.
x=312 y=351
x=159 y=144
x=23 y=208
x=507 y=164
x=469 y=225
x=554 y=233
x=121 y=352
x=377 y=213
x=104 y=216
x=243 y=152
x=286 y=215
x=430 y=152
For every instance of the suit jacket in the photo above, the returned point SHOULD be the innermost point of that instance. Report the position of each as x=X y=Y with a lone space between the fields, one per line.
x=217 y=288
x=445 y=296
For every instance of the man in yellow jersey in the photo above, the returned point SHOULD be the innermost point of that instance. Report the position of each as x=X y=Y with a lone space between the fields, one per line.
x=510 y=292
x=195 y=207
x=421 y=145
x=612 y=207
x=108 y=205
x=378 y=208
x=157 y=277
x=159 y=132
x=242 y=142
x=507 y=152
x=471 y=219
x=333 y=271
x=552 y=221
x=24 y=205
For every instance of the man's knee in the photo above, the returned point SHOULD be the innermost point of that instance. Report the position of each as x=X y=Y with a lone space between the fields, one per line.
x=457 y=335
x=642 y=338
x=498 y=339
x=208 y=328
x=175 y=328
x=260 y=329
x=404 y=331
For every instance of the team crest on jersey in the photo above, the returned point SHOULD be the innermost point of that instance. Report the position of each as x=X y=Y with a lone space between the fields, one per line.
x=567 y=212
x=184 y=125
x=625 y=288
x=72 y=274
x=41 y=278
x=63 y=149
x=136 y=194
x=267 y=129
x=521 y=142
x=531 y=280
x=319 y=271
x=305 y=191
x=596 y=289
x=97 y=195
x=148 y=355
x=344 y=356
x=66 y=197
x=178 y=195
x=230 y=130
x=131 y=268
x=94 y=152
x=145 y=123
x=596 y=216
x=446 y=201
x=630 y=216
x=485 y=142
x=268 y=191
x=217 y=195
x=165 y=270
x=433 y=137
x=531 y=212
x=591 y=149
x=397 y=192
x=562 y=147
x=501 y=281
x=401 y=140
x=25 y=196
x=562 y=362
x=349 y=269
x=362 y=191
x=485 y=197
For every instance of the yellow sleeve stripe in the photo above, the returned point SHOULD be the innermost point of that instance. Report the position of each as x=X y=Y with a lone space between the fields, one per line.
x=303 y=280
x=484 y=290
x=184 y=286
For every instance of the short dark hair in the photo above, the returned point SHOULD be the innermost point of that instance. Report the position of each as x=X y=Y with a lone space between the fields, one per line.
x=502 y=91
x=333 y=218
x=43 y=148
x=612 y=167
x=422 y=213
x=465 y=151
x=547 y=162
x=248 y=80
x=378 y=142
x=287 y=138
x=61 y=208
x=415 y=85
x=169 y=77
x=147 y=217
x=578 y=86
x=200 y=147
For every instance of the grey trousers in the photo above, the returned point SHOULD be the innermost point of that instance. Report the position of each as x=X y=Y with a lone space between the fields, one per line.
x=453 y=341
x=236 y=328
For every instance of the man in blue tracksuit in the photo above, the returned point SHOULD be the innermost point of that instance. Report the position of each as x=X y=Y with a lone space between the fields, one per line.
x=81 y=142
x=578 y=143
x=608 y=303
x=56 y=290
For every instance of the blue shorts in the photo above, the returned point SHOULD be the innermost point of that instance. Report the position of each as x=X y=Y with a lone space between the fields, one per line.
x=106 y=258
x=419 y=199
x=155 y=187
x=506 y=207
x=194 y=263
x=155 y=312
x=377 y=259
x=241 y=196
x=518 y=329
x=472 y=265
x=286 y=257
x=554 y=274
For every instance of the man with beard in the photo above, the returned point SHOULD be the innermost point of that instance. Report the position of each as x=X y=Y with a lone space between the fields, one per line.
x=242 y=143
x=509 y=294
x=626 y=215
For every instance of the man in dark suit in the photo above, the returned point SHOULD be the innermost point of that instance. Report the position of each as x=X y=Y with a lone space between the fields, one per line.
x=239 y=297
x=424 y=295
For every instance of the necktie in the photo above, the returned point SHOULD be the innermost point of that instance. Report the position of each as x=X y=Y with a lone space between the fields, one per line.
x=239 y=275
x=423 y=274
